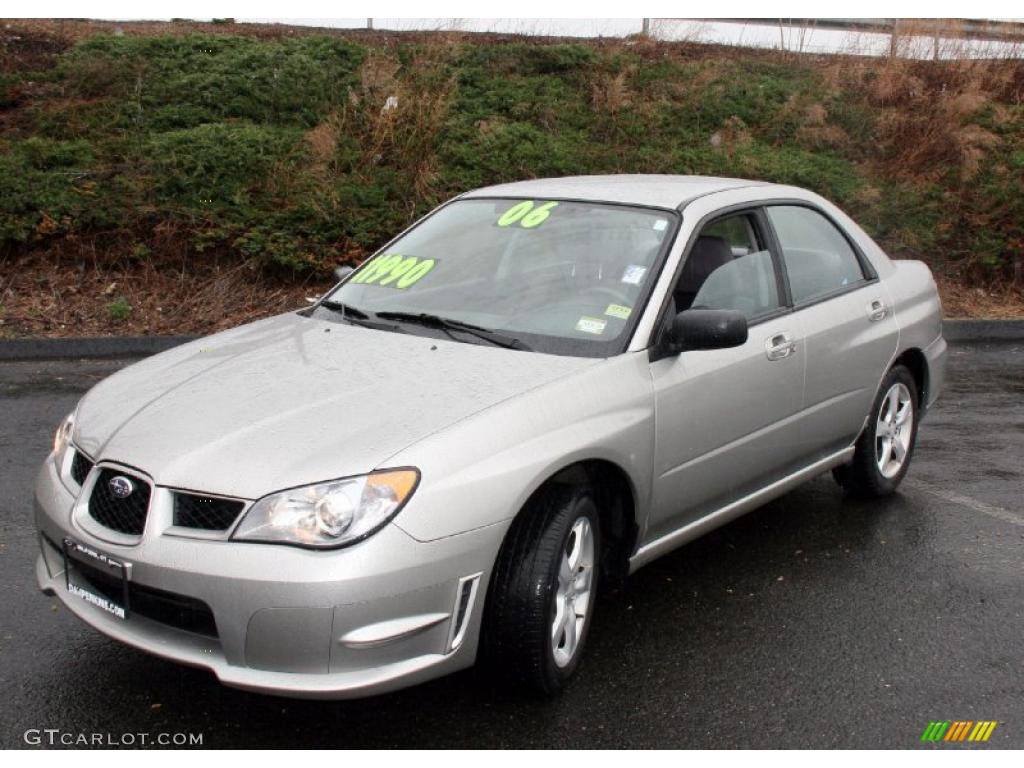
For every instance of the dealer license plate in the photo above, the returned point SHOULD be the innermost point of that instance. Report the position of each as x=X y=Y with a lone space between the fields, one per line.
x=113 y=575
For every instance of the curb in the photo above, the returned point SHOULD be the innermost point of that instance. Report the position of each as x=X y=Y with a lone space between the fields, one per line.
x=144 y=346
x=983 y=330
x=98 y=347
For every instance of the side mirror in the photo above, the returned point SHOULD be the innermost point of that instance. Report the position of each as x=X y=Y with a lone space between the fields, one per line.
x=707 y=329
x=340 y=273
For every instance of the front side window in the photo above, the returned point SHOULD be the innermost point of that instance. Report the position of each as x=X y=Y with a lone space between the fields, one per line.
x=819 y=259
x=561 y=276
x=729 y=268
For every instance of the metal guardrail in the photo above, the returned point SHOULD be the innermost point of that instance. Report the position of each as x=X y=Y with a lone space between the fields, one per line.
x=981 y=29
x=905 y=38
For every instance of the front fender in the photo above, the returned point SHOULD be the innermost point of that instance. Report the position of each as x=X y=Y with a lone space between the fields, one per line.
x=482 y=471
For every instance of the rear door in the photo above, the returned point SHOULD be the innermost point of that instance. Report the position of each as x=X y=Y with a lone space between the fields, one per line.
x=850 y=332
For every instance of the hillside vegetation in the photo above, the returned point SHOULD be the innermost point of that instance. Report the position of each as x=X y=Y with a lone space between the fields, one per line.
x=294 y=152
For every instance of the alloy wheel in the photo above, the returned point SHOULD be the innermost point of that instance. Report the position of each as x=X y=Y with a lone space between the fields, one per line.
x=894 y=430
x=573 y=595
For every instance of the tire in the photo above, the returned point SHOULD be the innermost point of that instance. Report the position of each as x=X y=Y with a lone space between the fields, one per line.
x=530 y=591
x=884 y=449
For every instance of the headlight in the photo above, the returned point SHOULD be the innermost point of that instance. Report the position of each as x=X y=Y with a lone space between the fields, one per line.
x=332 y=514
x=62 y=440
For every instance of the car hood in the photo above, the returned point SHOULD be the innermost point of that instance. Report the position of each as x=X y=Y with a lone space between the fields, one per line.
x=293 y=400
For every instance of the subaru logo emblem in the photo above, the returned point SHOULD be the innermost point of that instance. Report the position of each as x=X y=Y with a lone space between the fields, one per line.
x=121 y=487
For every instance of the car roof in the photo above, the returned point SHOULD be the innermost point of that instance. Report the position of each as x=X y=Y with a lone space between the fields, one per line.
x=663 y=191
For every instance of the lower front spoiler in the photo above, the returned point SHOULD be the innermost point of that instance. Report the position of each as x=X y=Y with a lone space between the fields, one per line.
x=206 y=653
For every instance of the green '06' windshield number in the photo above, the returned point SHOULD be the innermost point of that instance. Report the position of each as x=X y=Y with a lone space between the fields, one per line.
x=527 y=214
x=395 y=270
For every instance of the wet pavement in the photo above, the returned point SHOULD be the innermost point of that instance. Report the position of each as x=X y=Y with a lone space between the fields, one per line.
x=815 y=621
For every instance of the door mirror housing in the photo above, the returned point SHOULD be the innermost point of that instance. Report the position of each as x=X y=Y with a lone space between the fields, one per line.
x=340 y=273
x=707 y=329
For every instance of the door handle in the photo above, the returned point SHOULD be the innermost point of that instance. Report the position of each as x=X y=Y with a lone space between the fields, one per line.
x=877 y=311
x=780 y=346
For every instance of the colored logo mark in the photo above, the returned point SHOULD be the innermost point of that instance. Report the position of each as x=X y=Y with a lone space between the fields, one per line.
x=959 y=730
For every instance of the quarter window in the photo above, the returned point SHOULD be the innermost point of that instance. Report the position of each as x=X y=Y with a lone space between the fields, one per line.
x=818 y=258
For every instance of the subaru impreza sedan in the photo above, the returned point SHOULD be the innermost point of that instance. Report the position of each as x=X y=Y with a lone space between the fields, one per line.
x=527 y=395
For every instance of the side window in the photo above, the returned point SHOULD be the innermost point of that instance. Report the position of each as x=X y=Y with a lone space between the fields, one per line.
x=818 y=258
x=729 y=268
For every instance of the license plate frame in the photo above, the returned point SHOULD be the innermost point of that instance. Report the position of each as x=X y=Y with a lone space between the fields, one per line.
x=119 y=569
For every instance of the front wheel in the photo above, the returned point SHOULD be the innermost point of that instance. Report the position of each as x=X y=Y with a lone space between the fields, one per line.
x=884 y=449
x=543 y=590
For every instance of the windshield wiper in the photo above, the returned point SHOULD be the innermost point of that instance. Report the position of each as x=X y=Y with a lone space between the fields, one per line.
x=447 y=325
x=355 y=315
x=346 y=309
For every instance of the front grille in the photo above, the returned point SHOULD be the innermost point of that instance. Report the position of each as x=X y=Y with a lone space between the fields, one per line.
x=205 y=512
x=174 y=610
x=80 y=466
x=127 y=515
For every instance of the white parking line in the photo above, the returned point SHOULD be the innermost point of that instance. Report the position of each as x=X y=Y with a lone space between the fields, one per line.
x=966 y=501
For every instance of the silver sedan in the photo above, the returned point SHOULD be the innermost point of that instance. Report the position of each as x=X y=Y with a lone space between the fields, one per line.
x=524 y=397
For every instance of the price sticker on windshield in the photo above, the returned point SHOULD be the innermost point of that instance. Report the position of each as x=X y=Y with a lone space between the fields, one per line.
x=527 y=214
x=393 y=270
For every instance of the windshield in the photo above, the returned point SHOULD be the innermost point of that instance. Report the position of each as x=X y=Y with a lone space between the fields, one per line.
x=563 y=277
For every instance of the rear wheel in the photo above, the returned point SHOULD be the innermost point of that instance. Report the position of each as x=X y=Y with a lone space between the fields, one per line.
x=543 y=590
x=884 y=449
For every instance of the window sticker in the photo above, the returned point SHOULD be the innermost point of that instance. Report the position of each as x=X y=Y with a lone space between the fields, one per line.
x=527 y=214
x=660 y=224
x=619 y=311
x=591 y=325
x=394 y=270
x=634 y=274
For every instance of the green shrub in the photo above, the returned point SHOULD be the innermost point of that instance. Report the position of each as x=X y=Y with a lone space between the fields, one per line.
x=51 y=187
x=44 y=154
x=179 y=82
x=119 y=309
x=214 y=167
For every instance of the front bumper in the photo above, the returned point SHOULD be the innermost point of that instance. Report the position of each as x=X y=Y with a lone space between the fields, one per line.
x=353 y=622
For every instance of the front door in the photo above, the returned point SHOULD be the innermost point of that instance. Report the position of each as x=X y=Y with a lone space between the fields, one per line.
x=726 y=421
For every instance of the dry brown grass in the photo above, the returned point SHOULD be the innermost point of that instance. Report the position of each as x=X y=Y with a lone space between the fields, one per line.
x=927 y=112
x=46 y=294
x=397 y=112
x=322 y=141
x=610 y=93
x=395 y=115
x=1000 y=302
x=814 y=131
x=733 y=135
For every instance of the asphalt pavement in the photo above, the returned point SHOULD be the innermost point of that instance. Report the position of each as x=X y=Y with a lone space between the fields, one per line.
x=815 y=621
